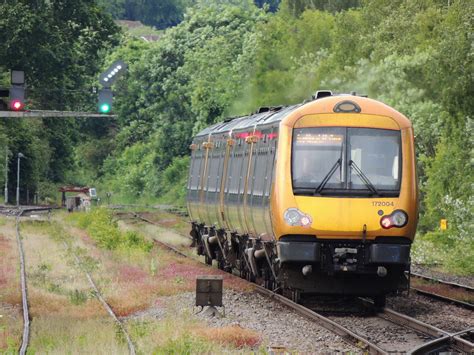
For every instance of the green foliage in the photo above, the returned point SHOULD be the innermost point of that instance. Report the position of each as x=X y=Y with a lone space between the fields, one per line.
x=78 y=297
x=102 y=227
x=59 y=45
x=179 y=85
x=186 y=344
x=172 y=187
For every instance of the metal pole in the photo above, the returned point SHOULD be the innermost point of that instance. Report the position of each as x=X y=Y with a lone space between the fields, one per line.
x=18 y=182
x=6 y=175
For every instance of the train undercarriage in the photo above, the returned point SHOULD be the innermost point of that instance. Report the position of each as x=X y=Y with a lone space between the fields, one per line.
x=297 y=265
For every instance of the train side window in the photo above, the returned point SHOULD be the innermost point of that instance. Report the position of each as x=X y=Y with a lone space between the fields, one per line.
x=220 y=172
x=213 y=170
x=270 y=171
x=253 y=167
x=234 y=173
x=243 y=167
x=196 y=170
x=260 y=167
x=191 y=174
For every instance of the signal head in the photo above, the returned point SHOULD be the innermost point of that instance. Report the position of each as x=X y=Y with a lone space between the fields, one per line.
x=104 y=108
x=16 y=105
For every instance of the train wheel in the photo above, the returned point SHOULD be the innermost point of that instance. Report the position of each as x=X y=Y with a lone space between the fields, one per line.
x=295 y=296
x=268 y=284
x=220 y=262
x=250 y=276
x=380 y=301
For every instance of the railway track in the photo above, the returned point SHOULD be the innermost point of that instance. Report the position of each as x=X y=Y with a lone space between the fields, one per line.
x=98 y=295
x=19 y=212
x=446 y=288
x=23 y=281
x=24 y=291
x=438 y=338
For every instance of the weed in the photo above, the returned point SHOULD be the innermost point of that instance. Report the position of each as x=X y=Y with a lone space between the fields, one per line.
x=140 y=329
x=78 y=297
x=153 y=267
x=185 y=344
x=102 y=227
x=88 y=263
x=54 y=288
x=179 y=280
x=39 y=276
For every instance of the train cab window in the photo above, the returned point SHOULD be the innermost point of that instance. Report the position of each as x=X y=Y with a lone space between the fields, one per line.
x=317 y=157
x=346 y=161
x=375 y=153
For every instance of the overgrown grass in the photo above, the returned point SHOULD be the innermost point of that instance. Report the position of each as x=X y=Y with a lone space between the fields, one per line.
x=445 y=251
x=104 y=230
x=10 y=296
x=59 y=335
x=186 y=335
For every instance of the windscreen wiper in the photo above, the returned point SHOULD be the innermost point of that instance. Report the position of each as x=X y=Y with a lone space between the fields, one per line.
x=328 y=176
x=363 y=177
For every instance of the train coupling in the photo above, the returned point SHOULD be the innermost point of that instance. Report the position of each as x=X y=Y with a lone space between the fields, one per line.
x=345 y=259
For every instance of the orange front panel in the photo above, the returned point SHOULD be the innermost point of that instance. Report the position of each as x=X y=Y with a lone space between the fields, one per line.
x=343 y=217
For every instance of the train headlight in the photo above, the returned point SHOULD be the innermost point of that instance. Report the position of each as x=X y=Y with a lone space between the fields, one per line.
x=386 y=222
x=294 y=217
x=397 y=218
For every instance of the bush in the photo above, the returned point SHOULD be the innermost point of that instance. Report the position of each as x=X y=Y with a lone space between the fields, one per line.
x=102 y=227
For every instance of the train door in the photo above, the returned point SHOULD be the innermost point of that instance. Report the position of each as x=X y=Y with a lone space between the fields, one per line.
x=261 y=165
x=194 y=181
x=269 y=179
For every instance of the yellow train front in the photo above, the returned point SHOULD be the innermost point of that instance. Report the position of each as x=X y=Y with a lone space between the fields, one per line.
x=313 y=198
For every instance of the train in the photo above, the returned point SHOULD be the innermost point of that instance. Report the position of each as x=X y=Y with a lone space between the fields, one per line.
x=316 y=198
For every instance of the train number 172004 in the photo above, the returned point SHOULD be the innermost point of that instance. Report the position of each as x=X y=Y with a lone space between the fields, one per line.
x=382 y=203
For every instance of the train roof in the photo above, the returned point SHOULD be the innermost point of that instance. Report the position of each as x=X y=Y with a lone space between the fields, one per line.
x=292 y=113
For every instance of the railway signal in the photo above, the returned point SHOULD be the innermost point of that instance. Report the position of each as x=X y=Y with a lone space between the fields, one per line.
x=17 y=91
x=105 y=100
x=106 y=79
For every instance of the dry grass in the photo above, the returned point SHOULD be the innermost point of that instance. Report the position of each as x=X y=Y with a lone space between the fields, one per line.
x=10 y=295
x=235 y=336
x=169 y=221
x=60 y=335
x=66 y=316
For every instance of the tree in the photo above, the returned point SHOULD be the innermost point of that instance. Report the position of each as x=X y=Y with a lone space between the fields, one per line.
x=58 y=44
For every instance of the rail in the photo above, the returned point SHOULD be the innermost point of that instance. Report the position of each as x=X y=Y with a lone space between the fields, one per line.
x=447 y=342
x=26 y=316
x=97 y=293
x=24 y=291
x=460 y=303
x=447 y=283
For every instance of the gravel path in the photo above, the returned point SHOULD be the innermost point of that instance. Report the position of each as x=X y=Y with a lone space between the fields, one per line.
x=439 y=314
x=279 y=327
x=463 y=280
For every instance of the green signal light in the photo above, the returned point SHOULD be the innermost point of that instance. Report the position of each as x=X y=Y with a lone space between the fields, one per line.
x=104 y=108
